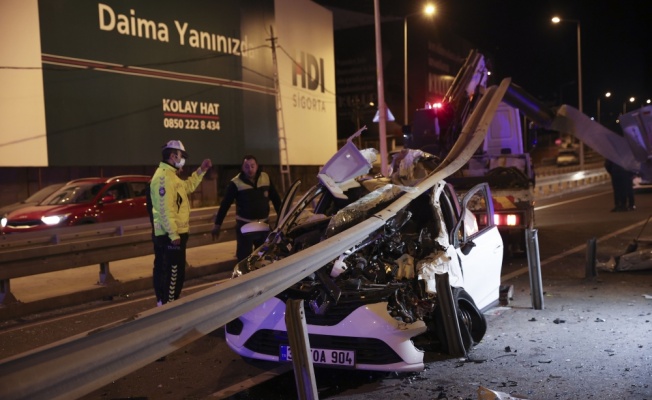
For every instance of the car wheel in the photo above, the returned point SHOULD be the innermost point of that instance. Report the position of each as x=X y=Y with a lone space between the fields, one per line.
x=469 y=317
x=472 y=322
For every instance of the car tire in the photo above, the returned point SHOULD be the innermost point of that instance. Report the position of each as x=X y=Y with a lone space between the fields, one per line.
x=472 y=322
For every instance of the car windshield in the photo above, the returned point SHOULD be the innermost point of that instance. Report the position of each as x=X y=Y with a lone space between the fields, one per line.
x=42 y=194
x=74 y=194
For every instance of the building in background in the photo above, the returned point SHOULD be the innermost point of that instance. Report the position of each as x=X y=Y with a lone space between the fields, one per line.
x=434 y=58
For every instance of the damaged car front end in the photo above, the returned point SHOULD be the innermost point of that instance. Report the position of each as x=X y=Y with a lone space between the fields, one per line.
x=376 y=306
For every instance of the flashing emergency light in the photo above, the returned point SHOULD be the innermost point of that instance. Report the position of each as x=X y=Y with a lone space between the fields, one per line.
x=430 y=105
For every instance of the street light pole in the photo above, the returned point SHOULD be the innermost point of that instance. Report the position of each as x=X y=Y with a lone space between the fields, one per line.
x=428 y=10
x=405 y=72
x=579 y=67
x=608 y=94
x=631 y=100
x=557 y=20
x=382 y=107
x=579 y=87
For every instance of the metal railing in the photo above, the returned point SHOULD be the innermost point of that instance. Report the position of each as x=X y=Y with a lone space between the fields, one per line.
x=552 y=185
x=35 y=253
x=59 y=249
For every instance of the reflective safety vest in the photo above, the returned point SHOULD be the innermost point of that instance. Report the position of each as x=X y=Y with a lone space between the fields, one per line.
x=170 y=205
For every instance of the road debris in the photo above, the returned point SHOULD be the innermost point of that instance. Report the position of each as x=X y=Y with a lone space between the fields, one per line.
x=488 y=394
x=637 y=255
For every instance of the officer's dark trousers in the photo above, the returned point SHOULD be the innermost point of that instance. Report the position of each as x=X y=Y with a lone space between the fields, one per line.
x=169 y=267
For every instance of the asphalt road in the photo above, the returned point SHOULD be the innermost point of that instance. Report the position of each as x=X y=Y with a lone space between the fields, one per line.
x=591 y=340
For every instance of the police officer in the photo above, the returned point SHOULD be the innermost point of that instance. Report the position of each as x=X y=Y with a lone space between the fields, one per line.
x=252 y=191
x=170 y=218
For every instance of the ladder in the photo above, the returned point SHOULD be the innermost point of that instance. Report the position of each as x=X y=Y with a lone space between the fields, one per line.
x=286 y=179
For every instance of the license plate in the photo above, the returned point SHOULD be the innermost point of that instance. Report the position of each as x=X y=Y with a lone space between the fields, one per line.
x=323 y=356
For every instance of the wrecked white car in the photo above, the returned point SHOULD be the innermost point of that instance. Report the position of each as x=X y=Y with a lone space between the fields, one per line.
x=376 y=306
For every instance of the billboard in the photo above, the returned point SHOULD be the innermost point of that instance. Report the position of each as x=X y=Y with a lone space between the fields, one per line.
x=119 y=79
x=306 y=64
x=22 y=108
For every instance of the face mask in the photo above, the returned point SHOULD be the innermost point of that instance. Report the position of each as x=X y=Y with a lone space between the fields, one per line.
x=180 y=163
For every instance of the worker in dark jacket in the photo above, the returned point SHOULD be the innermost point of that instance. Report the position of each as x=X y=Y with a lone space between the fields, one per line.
x=252 y=191
x=621 y=182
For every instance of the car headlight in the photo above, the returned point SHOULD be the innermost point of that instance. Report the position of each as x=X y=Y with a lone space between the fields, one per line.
x=53 y=219
x=3 y=221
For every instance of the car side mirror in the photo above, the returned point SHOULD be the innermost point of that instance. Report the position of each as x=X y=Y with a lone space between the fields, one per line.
x=467 y=247
x=107 y=199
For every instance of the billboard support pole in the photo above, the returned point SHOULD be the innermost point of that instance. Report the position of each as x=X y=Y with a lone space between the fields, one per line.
x=286 y=178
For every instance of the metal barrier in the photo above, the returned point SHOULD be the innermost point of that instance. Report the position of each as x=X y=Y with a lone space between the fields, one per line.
x=64 y=248
x=590 y=258
x=449 y=310
x=304 y=372
x=59 y=249
x=534 y=268
x=548 y=186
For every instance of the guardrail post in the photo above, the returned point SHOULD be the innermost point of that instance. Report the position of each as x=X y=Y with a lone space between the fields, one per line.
x=304 y=373
x=6 y=297
x=105 y=275
x=590 y=259
x=534 y=268
x=448 y=307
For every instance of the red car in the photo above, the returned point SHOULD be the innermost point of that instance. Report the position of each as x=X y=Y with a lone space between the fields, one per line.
x=83 y=201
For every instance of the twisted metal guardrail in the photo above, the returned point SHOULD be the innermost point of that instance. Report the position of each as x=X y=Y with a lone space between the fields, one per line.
x=552 y=185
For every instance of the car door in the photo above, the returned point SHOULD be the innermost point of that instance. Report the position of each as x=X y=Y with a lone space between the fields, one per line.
x=479 y=246
x=138 y=199
x=116 y=203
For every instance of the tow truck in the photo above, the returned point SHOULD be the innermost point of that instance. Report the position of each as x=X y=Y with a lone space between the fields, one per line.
x=501 y=161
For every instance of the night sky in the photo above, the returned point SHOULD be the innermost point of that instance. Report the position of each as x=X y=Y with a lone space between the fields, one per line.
x=541 y=56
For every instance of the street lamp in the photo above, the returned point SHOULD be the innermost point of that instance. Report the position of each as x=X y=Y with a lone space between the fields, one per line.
x=556 y=20
x=428 y=10
x=607 y=95
x=631 y=100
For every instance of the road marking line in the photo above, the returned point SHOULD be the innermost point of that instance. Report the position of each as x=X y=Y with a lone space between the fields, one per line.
x=251 y=382
x=571 y=201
